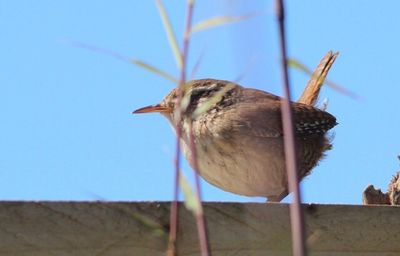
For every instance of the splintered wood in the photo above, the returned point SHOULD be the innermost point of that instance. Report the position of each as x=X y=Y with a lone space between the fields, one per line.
x=376 y=196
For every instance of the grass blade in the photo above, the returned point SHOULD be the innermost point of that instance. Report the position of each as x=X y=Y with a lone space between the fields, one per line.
x=170 y=33
x=116 y=55
x=294 y=63
x=154 y=70
x=192 y=202
x=219 y=21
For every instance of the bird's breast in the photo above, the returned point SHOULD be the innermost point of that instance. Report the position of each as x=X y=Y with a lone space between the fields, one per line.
x=238 y=167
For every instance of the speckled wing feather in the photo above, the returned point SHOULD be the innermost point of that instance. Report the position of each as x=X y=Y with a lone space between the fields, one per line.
x=309 y=120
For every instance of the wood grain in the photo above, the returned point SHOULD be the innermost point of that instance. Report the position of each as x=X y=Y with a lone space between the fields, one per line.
x=141 y=228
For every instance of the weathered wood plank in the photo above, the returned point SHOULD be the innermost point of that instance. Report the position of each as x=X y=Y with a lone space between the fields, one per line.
x=141 y=228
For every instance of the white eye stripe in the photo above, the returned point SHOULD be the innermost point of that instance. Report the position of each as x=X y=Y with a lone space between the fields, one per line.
x=203 y=88
x=212 y=86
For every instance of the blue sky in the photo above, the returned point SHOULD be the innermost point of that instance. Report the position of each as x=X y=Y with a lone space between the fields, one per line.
x=67 y=132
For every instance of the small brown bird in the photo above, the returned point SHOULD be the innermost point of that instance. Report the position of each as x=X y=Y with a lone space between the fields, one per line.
x=239 y=138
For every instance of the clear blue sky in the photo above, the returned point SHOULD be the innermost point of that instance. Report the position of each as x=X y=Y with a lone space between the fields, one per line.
x=67 y=132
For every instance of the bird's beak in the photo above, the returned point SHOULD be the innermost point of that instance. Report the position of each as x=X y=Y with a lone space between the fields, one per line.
x=152 y=108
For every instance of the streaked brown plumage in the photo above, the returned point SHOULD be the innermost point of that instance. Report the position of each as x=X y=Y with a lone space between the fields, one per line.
x=239 y=139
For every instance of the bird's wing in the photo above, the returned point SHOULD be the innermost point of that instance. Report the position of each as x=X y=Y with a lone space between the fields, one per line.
x=259 y=115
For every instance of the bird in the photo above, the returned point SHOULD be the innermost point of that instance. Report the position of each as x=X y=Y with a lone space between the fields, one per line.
x=238 y=135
